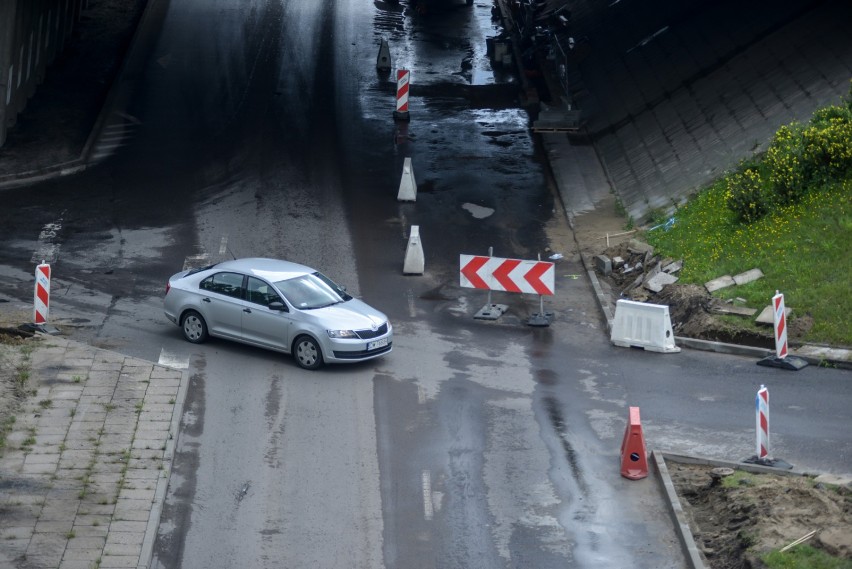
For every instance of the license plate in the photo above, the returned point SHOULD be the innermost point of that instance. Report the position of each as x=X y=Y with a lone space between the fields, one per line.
x=377 y=344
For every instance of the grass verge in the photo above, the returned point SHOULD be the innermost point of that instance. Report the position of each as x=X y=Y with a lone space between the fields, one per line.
x=804 y=557
x=802 y=249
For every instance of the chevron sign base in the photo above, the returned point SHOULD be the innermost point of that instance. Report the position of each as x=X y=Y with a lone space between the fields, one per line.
x=491 y=312
x=539 y=319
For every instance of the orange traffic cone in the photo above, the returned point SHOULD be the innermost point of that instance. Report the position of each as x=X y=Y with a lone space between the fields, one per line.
x=634 y=462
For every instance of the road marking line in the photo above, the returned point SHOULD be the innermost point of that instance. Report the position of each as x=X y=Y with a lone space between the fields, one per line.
x=427 y=494
x=223 y=245
x=173 y=360
x=412 y=310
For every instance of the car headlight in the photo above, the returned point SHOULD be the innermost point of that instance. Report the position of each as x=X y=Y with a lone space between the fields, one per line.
x=341 y=334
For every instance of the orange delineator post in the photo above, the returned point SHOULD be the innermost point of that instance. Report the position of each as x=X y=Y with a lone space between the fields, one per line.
x=634 y=461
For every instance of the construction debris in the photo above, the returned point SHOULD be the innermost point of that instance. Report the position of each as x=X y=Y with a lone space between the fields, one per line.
x=727 y=280
x=748 y=276
x=719 y=283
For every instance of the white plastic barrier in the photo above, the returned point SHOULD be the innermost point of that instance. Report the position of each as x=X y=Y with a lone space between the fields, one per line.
x=641 y=325
x=414 y=263
x=407 y=185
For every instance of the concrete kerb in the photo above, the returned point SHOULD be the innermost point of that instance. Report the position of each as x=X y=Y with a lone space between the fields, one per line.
x=678 y=515
x=163 y=482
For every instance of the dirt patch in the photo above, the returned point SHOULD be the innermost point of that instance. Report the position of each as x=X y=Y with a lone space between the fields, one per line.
x=733 y=526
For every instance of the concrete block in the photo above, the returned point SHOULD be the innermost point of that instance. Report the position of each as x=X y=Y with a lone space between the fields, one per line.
x=736 y=310
x=636 y=246
x=721 y=282
x=603 y=264
x=659 y=281
x=767 y=315
x=748 y=276
x=617 y=262
x=673 y=267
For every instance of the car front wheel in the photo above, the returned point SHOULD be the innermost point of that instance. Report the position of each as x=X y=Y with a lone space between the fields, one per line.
x=194 y=327
x=307 y=353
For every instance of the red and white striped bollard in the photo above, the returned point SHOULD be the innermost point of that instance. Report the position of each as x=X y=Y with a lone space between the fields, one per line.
x=41 y=301
x=762 y=422
x=780 y=320
x=782 y=357
x=403 y=77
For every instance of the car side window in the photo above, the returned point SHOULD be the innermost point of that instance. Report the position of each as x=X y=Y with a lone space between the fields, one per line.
x=229 y=284
x=259 y=292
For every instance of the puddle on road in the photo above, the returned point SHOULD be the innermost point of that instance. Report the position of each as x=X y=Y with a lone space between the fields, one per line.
x=478 y=211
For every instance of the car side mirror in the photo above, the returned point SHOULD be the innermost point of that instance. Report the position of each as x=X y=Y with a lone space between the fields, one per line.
x=278 y=305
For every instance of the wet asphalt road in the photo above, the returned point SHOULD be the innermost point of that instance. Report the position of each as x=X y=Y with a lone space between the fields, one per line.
x=264 y=129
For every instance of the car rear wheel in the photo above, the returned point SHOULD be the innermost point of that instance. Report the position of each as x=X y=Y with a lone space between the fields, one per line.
x=194 y=327
x=307 y=353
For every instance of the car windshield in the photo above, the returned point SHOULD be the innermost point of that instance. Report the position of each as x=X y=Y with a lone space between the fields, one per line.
x=312 y=291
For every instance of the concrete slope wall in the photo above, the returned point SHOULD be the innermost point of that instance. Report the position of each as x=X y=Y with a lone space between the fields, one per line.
x=676 y=93
x=32 y=33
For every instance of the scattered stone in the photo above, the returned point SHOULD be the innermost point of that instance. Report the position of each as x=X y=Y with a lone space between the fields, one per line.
x=740 y=300
x=617 y=262
x=657 y=282
x=719 y=283
x=767 y=316
x=748 y=276
x=603 y=264
x=655 y=270
x=673 y=267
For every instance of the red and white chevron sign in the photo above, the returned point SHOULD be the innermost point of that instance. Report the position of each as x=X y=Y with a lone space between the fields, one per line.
x=510 y=275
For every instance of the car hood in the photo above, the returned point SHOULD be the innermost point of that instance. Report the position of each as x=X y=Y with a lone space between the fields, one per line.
x=350 y=315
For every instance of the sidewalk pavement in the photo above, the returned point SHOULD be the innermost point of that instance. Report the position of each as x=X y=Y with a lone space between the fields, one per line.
x=87 y=460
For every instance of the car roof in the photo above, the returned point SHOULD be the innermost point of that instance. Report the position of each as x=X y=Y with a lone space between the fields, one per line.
x=270 y=269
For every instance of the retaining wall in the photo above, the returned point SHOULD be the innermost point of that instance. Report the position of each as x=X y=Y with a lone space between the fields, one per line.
x=32 y=33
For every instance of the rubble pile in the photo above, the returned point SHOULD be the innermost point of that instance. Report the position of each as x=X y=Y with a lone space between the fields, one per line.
x=634 y=272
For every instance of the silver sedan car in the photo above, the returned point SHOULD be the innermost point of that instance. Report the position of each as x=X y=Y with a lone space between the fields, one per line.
x=278 y=305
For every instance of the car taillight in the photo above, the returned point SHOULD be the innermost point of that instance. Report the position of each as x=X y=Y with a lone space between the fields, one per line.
x=168 y=287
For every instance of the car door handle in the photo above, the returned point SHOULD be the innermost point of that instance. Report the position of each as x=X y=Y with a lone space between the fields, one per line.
x=247 y=310
x=205 y=299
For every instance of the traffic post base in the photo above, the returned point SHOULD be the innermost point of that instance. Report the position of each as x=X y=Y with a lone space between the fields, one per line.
x=634 y=459
x=770 y=462
x=792 y=363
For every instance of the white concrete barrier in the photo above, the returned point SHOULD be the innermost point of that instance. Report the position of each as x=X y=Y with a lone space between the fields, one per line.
x=414 y=262
x=641 y=325
x=407 y=185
